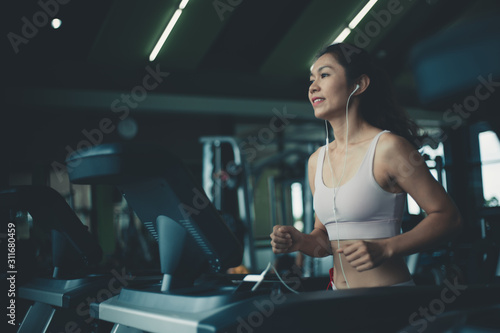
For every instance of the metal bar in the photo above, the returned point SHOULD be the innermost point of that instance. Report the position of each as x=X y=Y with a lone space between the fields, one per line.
x=308 y=214
x=37 y=318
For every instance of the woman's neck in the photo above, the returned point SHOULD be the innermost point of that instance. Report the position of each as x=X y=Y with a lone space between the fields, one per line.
x=357 y=128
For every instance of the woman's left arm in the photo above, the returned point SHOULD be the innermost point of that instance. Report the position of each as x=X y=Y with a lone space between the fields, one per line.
x=409 y=171
x=406 y=169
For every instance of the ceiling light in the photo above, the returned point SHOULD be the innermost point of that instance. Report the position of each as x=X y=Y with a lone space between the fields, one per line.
x=355 y=21
x=343 y=35
x=167 y=30
x=56 y=23
x=183 y=4
x=361 y=14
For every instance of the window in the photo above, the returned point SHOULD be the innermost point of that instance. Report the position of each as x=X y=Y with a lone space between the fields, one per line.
x=434 y=158
x=489 y=151
x=297 y=206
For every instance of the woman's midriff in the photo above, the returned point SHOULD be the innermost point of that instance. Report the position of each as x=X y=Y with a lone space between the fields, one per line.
x=390 y=272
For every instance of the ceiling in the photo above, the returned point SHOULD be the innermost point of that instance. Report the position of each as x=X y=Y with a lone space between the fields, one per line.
x=240 y=58
x=259 y=49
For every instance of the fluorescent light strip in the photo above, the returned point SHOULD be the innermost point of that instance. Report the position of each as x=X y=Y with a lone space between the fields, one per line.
x=168 y=30
x=355 y=21
x=183 y=4
x=362 y=13
x=343 y=35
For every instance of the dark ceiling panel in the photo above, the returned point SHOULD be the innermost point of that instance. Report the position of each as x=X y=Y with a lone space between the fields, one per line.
x=425 y=19
x=43 y=49
x=458 y=59
x=196 y=30
x=317 y=26
x=130 y=32
x=252 y=33
x=245 y=49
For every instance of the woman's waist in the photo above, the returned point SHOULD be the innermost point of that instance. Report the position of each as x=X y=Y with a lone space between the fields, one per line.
x=391 y=271
x=366 y=230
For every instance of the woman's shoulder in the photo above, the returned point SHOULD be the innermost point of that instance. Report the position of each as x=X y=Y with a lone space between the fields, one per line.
x=313 y=158
x=312 y=165
x=391 y=145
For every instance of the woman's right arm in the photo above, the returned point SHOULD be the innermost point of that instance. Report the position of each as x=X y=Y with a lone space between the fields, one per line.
x=287 y=239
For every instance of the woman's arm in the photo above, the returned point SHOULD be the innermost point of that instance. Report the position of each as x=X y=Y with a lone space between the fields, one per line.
x=409 y=171
x=406 y=170
x=286 y=239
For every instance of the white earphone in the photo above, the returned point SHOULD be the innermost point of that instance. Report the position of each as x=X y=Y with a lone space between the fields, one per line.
x=355 y=89
x=326 y=124
x=335 y=188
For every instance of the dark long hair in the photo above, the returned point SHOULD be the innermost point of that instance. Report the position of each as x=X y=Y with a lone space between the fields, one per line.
x=377 y=104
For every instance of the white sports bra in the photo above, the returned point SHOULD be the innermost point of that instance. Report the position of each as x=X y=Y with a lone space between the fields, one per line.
x=364 y=209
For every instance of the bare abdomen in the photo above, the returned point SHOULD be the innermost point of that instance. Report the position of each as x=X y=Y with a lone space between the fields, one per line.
x=390 y=272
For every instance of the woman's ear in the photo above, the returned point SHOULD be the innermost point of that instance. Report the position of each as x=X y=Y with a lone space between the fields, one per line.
x=364 y=82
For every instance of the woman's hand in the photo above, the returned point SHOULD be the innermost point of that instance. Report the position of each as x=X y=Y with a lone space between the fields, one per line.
x=365 y=255
x=285 y=239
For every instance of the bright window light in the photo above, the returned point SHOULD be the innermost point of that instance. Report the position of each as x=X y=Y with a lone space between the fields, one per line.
x=56 y=23
x=299 y=225
x=362 y=13
x=167 y=30
x=343 y=35
x=297 y=204
x=489 y=152
x=413 y=207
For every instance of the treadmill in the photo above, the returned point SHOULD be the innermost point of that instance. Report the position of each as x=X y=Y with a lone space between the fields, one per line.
x=196 y=248
x=75 y=252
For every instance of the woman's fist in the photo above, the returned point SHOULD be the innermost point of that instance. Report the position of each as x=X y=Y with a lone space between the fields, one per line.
x=285 y=239
x=365 y=255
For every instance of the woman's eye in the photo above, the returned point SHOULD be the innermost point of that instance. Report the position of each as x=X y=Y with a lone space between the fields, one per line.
x=311 y=82
x=324 y=75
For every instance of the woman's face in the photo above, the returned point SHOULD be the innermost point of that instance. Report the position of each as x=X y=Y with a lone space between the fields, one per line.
x=328 y=91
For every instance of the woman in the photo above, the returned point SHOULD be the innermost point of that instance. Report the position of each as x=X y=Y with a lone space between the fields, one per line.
x=360 y=180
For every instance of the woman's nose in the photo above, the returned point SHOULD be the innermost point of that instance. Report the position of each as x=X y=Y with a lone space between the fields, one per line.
x=313 y=87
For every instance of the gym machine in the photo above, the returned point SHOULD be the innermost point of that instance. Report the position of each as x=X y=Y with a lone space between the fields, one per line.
x=193 y=239
x=196 y=246
x=74 y=253
x=216 y=177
